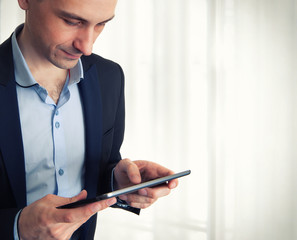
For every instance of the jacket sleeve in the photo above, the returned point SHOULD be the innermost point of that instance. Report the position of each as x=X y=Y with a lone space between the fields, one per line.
x=7 y=217
x=113 y=138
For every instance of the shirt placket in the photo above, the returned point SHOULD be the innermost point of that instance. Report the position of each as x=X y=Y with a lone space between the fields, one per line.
x=60 y=156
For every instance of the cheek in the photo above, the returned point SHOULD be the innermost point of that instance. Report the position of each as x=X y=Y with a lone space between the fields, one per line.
x=98 y=32
x=57 y=36
x=54 y=32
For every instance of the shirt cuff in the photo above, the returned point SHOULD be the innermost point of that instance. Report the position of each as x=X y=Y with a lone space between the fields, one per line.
x=15 y=227
x=121 y=203
x=112 y=180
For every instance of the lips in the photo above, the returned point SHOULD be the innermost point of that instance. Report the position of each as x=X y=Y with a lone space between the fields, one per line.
x=72 y=56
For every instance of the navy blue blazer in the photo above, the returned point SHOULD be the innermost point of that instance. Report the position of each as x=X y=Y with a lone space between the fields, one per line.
x=102 y=96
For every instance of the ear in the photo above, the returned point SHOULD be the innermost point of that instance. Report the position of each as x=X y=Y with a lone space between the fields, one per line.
x=23 y=4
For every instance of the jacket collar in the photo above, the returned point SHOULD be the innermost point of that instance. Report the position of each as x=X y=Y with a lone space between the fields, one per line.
x=11 y=144
x=92 y=107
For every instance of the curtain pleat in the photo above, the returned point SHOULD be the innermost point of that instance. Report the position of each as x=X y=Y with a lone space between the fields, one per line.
x=211 y=87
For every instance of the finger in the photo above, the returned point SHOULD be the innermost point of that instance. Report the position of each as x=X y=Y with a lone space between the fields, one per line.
x=136 y=198
x=82 y=195
x=155 y=192
x=146 y=194
x=173 y=183
x=141 y=205
x=99 y=206
x=63 y=201
x=131 y=169
x=83 y=213
x=138 y=201
x=151 y=170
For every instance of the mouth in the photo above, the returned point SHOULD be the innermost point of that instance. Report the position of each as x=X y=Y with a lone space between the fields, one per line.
x=71 y=56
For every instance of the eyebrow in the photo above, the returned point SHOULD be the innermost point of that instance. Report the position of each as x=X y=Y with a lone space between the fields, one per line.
x=76 y=17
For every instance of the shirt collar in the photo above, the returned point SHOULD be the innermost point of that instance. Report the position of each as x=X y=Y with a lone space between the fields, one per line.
x=25 y=77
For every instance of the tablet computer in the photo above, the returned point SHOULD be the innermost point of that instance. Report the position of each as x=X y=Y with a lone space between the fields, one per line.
x=126 y=190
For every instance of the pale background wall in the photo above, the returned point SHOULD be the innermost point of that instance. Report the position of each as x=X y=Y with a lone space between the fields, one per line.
x=210 y=86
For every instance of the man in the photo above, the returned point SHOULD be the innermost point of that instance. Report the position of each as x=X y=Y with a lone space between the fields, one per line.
x=62 y=124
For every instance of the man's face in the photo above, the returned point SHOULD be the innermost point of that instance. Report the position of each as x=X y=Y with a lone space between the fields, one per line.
x=61 y=31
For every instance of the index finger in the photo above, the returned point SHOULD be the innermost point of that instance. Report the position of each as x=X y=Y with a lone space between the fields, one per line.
x=151 y=170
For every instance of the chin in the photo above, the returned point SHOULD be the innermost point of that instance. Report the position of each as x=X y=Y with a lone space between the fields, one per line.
x=65 y=64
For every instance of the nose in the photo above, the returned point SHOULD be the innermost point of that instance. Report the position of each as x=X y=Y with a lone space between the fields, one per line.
x=85 y=40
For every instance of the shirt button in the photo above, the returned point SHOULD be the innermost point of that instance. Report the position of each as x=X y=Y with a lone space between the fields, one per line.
x=57 y=113
x=61 y=172
x=57 y=124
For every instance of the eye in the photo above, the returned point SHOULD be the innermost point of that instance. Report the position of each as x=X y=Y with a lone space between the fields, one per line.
x=102 y=24
x=72 y=23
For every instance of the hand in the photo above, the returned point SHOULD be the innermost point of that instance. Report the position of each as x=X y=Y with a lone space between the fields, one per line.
x=128 y=173
x=42 y=220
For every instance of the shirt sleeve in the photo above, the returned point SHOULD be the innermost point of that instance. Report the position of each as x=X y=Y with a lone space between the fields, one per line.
x=15 y=227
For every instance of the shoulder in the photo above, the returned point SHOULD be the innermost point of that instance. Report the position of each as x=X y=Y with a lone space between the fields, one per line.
x=102 y=64
x=6 y=62
x=6 y=44
x=6 y=49
x=110 y=74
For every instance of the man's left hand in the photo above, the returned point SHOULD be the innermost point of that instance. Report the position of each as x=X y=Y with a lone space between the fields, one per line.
x=129 y=172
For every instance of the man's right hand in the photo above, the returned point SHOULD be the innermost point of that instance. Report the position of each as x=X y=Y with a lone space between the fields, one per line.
x=42 y=220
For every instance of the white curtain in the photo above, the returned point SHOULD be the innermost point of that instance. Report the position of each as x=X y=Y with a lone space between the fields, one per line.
x=210 y=86
x=252 y=163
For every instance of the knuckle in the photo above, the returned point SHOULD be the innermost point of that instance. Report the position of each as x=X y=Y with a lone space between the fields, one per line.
x=43 y=220
x=89 y=211
x=49 y=197
x=160 y=193
x=154 y=194
x=150 y=200
x=53 y=234
x=139 y=205
x=144 y=205
x=129 y=198
x=106 y=204
x=68 y=218
x=133 y=204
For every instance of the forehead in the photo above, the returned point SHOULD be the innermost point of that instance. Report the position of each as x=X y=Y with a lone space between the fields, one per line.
x=91 y=10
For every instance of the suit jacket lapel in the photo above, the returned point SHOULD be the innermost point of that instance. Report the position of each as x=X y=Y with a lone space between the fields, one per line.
x=11 y=145
x=92 y=108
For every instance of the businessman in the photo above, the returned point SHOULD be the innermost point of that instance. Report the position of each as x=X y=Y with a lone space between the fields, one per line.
x=62 y=125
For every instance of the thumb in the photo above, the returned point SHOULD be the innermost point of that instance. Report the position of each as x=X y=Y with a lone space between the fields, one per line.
x=126 y=172
x=82 y=195
x=133 y=173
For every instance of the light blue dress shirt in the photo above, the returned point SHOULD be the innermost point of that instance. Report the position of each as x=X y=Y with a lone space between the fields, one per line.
x=53 y=134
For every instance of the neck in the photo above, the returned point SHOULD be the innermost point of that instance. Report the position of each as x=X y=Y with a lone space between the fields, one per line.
x=44 y=72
